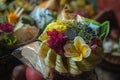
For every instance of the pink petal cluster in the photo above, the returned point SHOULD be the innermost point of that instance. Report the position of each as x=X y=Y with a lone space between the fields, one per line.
x=56 y=41
x=95 y=45
x=6 y=27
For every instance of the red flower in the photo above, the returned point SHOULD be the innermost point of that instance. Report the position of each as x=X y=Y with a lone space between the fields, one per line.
x=6 y=27
x=94 y=45
x=96 y=41
x=56 y=41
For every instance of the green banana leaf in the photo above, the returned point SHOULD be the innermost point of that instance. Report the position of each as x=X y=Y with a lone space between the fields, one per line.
x=103 y=30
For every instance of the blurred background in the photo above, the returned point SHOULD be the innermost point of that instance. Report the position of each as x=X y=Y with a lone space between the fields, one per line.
x=100 y=10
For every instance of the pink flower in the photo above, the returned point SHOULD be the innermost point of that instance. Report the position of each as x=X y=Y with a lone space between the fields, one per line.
x=6 y=27
x=56 y=41
x=95 y=45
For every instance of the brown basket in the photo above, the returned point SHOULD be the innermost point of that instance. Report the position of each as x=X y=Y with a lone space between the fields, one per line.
x=8 y=49
x=15 y=46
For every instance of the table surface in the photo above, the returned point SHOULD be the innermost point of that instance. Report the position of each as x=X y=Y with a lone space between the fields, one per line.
x=107 y=75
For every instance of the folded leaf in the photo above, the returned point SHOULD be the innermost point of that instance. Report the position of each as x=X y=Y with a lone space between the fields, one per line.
x=104 y=30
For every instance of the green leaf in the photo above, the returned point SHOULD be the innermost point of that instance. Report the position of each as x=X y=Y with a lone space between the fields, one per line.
x=3 y=7
x=9 y=40
x=104 y=27
x=104 y=30
x=54 y=15
x=26 y=19
x=91 y=21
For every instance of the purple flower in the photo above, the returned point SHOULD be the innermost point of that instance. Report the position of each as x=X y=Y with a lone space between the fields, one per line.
x=56 y=41
x=6 y=27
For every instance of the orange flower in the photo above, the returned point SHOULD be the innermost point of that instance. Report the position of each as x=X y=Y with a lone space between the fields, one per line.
x=12 y=18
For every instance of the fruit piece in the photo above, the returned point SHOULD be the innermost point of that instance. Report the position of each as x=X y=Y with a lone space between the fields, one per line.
x=32 y=74
x=19 y=73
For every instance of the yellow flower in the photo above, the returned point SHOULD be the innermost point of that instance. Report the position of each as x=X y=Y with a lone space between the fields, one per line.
x=58 y=26
x=43 y=36
x=78 y=50
x=12 y=17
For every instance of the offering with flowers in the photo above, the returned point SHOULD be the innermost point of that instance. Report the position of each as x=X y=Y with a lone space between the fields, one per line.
x=16 y=28
x=80 y=7
x=69 y=48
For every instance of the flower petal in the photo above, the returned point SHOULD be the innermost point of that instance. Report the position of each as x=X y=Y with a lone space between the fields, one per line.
x=12 y=17
x=43 y=49
x=70 y=50
x=43 y=36
x=57 y=26
x=78 y=58
x=78 y=41
x=85 y=49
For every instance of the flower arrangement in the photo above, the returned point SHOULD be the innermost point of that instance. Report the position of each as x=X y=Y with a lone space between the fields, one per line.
x=80 y=7
x=13 y=25
x=7 y=25
x=72 y=45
